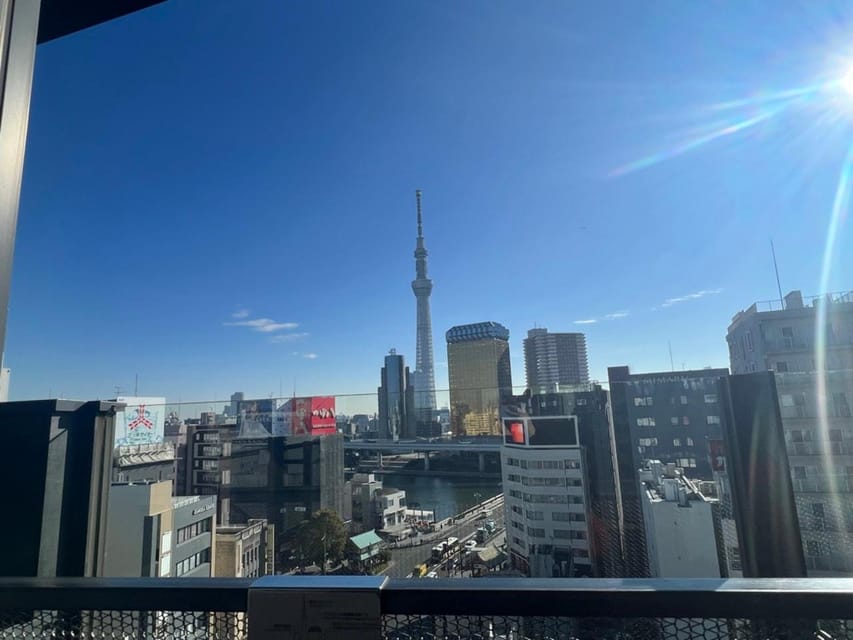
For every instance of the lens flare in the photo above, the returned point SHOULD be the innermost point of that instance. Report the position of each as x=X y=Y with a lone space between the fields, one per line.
x=839 y=213
x=690 y=145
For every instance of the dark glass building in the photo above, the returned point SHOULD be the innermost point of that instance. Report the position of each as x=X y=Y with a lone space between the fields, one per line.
x=396 y=400
x=282 y=480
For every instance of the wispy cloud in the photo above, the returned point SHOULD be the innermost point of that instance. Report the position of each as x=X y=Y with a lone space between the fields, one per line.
x=616 y=315
x=264 y=325
x=310 y=356
x=240 y=313
x=587 y=321
x=690 y=296
x=288 y=337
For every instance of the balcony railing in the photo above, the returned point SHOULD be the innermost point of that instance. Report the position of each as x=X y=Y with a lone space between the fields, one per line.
x=371 y=607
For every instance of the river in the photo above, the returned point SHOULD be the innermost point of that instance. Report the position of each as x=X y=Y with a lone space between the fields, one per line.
x=447 y=496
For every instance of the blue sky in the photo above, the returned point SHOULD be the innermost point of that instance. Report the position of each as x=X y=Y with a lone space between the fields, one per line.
x=199 y=159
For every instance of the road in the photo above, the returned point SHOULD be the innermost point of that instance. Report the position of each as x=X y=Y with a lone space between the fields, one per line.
x=404 y=559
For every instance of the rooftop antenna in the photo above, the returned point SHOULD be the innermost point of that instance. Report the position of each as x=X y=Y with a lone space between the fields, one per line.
x=776 y=269
x=136 y=385
x=671 y=361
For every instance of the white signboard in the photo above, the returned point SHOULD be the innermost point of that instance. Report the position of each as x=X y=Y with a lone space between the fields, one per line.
x=142 y=421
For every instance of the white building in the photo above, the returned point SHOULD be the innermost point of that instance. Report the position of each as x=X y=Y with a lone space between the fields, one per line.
x=390 y=509
x=546 y=504
x=810 y=349
x=681 y=539
x=376 y=507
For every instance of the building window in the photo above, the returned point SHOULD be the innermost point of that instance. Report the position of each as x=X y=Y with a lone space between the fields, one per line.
x=710 y=398
x=535 y=532
x=512 y=477
x=687 y=463
x=560 y=517
x=573 y=464
x=535 y=515
x=575 y=500
x=514 y=493
x=689 y=442
x=713 y=419
x=734 y=558
x=577 y=517
x=749 y=345
x=580 y=402
x=683 y=399
x=839 y=404
x=676 y=442
x=645 y=401
x=835 y=435
x=562 y=534
x=648 y=442
x=685 y=421
x=814 y=548
x=782 y=367
x=674 y=420
x=516 y=509
x=582 y=553
x=645 y=422
x=799 y=473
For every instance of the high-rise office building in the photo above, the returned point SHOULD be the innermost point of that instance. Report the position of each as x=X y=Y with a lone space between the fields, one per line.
x=423 y=378
x=590 y=407
x=667 y=416
x=283 y=480
x=480 y=377
x=549 y=524
x=686 y=418
x=809 y=347
x=553 y=359
x=396 y=395
x=152 y=534
x=233 y=407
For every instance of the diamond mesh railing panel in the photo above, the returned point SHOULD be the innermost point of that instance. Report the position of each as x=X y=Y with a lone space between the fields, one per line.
x=416 y=627
x=123 y=625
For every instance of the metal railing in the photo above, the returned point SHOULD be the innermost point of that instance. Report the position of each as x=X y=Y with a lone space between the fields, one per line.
x=493 y=608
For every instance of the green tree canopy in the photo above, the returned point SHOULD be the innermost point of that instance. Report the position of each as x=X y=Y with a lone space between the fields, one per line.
x=324 y=528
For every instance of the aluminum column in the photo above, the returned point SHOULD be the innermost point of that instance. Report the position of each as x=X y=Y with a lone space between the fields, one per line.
x=18 y=32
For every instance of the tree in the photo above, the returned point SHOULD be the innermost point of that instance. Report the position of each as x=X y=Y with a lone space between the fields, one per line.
x=322 y=537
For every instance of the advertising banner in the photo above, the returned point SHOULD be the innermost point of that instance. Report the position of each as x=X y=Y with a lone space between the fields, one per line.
x=313 y=416
x=141 y=422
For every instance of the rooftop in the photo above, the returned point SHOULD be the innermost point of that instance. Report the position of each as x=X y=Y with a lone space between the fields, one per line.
x=478 y=331
x=366 y=539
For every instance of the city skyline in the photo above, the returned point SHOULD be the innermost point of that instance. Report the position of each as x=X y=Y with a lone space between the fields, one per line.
x=255 y=275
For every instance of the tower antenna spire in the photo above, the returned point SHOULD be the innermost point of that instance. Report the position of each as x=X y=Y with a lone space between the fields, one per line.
x=420 y=222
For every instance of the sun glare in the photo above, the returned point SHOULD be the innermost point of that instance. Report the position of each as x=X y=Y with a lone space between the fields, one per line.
x=846 y=83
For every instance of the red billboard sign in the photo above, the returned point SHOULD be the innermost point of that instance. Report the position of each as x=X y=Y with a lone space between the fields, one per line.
x=313 y=416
